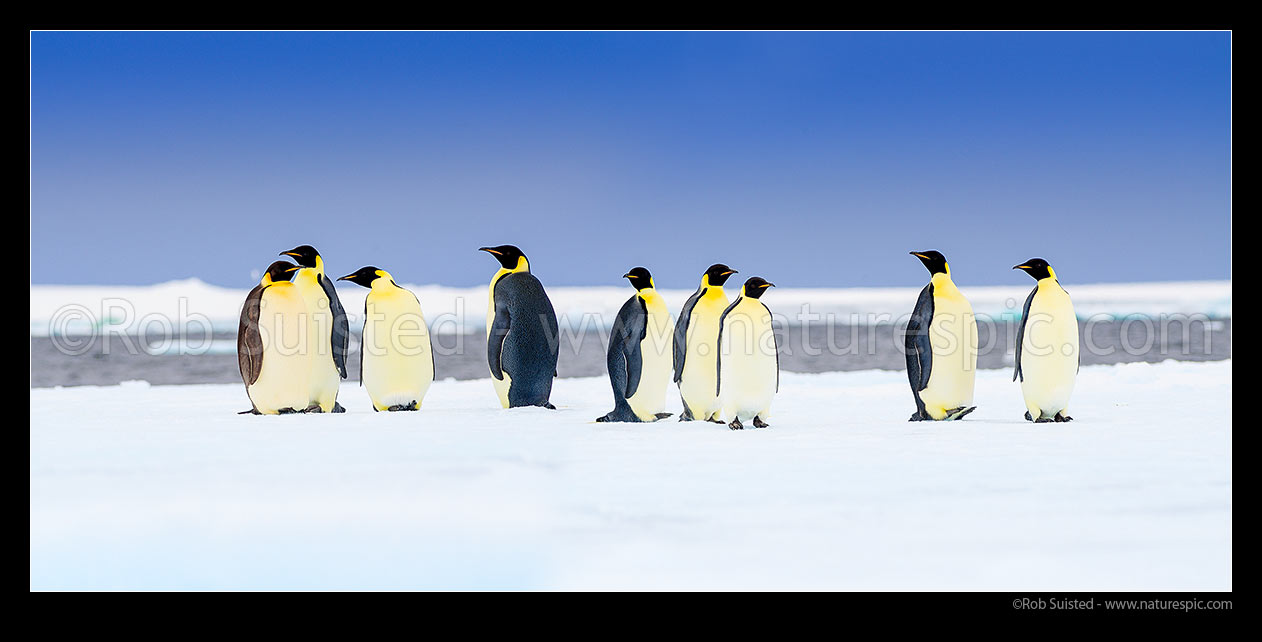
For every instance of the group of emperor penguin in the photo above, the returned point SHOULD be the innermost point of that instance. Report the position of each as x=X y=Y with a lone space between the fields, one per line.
x=294 y=334
x=293 y=338
x=722 y=356
x=941 y=346
x=646 y=349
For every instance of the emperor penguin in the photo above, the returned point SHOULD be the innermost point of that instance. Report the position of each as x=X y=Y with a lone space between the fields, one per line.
x=522 y=341
x=697 y=346
x=396 y=356
x=640 y=353
x=328 y=331
x=270 y=353
x=748 y=368
x=941 y=346
x=1047 y=346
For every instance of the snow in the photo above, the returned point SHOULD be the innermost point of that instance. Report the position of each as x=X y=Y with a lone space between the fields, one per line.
x=164 y=487
x=190 y=303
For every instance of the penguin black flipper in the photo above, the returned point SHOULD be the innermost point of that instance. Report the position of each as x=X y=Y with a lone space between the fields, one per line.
x=524 y=339
x=718 y=355
x=775 y=345
x=361 y=342
x=1079 y=368
x=681 y=332
x=249 y=341
x=495 y=338
x=361 y=348
x=1025 y=314
x=341 y=335
x=919 y=351
x=433 y=366
x=636 y=328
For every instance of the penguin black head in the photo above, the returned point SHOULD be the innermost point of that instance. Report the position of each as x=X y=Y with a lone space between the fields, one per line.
x=1037 y=268
x=640 y=278
x=507 y=255
x=718 y=274
x=305 y=255
x=756 y=285
x=363 y=276
x=281 y=271
x=933 y=260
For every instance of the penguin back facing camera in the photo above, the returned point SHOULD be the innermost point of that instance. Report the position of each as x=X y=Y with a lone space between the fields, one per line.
x=522 y=332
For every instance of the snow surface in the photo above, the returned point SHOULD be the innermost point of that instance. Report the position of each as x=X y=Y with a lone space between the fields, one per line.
x=164 y=487
x=61 y=309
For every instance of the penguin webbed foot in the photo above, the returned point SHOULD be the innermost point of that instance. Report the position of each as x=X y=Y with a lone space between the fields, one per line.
x=337 y=407
x=313 y=408
x=1043 y=420
x=251 y=411
x=663 y=415
x=715 y=420
x=613 y=416
x=403 y=406
x=288 y=411
x=759 y=423
x=916 y=416
x=1060 y=417
x=1028 y=417
x=686 y=415
x=959 y=413
x=736 y=424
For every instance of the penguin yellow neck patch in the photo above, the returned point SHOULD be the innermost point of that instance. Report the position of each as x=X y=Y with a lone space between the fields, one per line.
x=648 y=294
x=712 y=291
x=383 y=281
x=306 y=276
x=522 y=266
x=943 y=286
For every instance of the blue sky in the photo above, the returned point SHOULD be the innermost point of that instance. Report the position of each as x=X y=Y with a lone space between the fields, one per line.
x=812 y=159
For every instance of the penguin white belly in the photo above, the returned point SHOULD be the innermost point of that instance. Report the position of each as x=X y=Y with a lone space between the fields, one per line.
x=501 y=385
x=697 y=382
x=953 y=336
x=324 y=378
x=656 y=363
x=398 y=362
x=748 y=364
x=1049 y=353
x=282 y=383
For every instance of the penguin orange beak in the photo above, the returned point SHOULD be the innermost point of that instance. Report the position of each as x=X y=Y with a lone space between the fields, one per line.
x=487 y=249
x=729 y=272
x=294 y=254
x=769 y=285
x=293 y=269
x=918 y=254
x=1020 y=267
x=345 y=278
x=627 y=275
